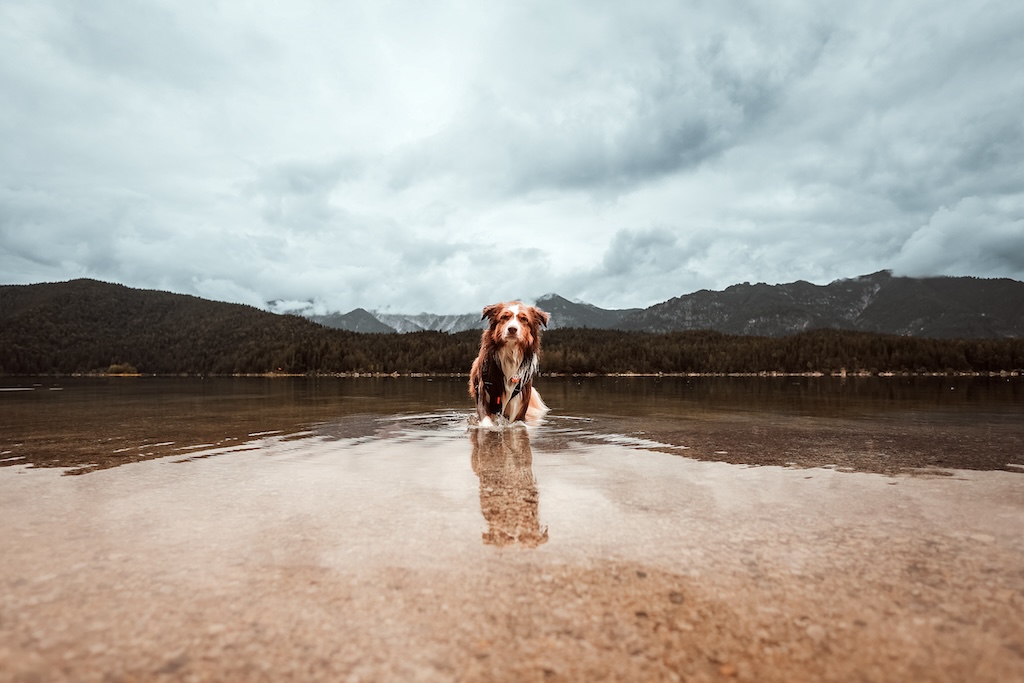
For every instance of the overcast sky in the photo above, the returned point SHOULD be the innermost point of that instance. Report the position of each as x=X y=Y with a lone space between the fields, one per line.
x=439 y=156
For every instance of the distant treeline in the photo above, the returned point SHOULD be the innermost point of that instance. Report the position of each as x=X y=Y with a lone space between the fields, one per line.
x=305 y=349
x=87 y=326
x=606 y=351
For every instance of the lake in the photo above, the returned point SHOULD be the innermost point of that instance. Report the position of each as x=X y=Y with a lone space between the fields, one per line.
x=671 y=528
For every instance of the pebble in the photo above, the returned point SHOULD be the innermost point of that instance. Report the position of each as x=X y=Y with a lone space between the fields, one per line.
x=815 y=632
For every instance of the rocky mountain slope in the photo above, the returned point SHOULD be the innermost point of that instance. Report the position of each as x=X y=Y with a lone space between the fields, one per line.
x=430 y=322
x=941 y=307
x=565 y=313
x=938 y=307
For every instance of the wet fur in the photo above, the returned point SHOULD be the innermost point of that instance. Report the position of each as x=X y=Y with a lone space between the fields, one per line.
x=509 y=349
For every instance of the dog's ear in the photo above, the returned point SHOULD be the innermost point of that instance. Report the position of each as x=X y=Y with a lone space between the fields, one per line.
x=542 y=316
x=491 y=311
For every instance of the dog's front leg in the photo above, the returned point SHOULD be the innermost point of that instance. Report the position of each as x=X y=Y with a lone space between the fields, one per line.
x=482 y=399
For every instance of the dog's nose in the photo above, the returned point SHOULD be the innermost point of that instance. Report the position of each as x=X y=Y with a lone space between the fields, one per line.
x=512 y=329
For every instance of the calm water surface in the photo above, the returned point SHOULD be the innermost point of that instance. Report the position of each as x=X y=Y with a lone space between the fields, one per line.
x=670 y=529
x=865 y=424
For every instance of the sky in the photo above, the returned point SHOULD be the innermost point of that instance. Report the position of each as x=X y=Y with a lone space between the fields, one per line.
x=415 y=156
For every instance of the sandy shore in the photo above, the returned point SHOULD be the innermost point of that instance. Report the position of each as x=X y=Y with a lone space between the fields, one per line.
x=435 y=556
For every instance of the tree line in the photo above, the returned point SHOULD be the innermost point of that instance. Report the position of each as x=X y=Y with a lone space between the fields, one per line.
x=86 y=326
x=296 y=346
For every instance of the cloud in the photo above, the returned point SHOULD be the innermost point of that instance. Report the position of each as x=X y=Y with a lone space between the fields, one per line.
x=975 y=235
x=640 y=267
x=143 y=42
x=441 y=156
x=657 y=249
x=640 y=98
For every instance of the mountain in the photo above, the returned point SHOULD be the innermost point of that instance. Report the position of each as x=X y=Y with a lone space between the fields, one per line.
x=565 y=313
x=938 y=307
x=356 y=320
x=430 y=322
x=89 y=326
x=85 y=325
x=361 y=320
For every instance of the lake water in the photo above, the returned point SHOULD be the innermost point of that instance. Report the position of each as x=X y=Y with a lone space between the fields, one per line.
x=649 y=529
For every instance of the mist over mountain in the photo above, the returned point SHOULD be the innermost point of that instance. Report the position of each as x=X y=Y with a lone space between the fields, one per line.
x=429 y=321
x=938 y=307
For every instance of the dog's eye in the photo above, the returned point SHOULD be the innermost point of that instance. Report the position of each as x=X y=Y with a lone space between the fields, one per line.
x=523 y=319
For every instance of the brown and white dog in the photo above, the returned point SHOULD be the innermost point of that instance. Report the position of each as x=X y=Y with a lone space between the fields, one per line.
x=501 y=379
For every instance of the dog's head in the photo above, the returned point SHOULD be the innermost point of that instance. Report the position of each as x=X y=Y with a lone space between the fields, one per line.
x=515 y=322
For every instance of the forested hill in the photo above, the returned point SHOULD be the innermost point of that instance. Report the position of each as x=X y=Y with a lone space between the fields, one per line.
x=85 y=326
x=88 y=326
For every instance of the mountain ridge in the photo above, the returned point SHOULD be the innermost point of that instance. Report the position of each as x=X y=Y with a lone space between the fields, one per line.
x=938 y=307
x=87 y=326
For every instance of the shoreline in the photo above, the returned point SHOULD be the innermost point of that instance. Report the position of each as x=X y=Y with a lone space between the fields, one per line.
x=762 y=374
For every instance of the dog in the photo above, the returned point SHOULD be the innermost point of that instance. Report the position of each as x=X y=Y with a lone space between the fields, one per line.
x=501 y=379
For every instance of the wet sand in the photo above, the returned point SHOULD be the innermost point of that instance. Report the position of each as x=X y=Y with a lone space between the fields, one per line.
x=413 y=548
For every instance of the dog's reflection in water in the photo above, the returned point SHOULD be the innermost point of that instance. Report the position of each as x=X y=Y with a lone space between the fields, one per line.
x=503 y=461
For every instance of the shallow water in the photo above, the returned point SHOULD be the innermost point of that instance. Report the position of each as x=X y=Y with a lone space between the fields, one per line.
x=657 y=529
x=866 y=424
